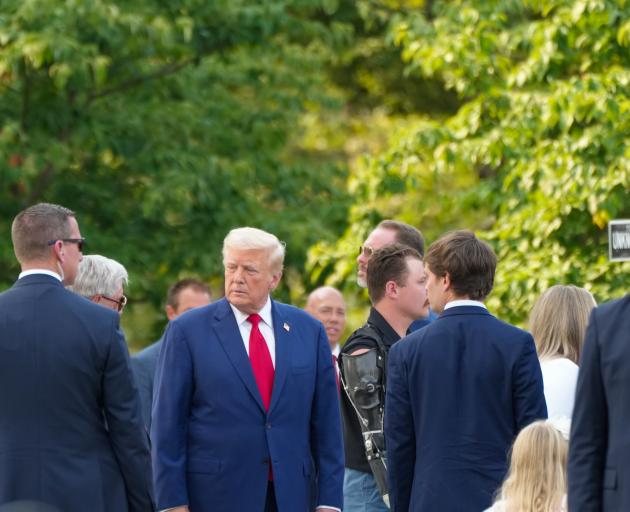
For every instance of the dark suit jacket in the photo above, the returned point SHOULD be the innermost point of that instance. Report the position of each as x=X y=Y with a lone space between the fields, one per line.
x=458 y=392
x=213 y=441
x=143 y=365
x=64 y=376
x=599 y=450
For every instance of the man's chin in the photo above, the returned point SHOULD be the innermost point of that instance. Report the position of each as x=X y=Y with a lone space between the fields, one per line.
x=361 y=282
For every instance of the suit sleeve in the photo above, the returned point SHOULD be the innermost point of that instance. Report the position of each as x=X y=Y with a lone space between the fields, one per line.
x=141 y=374
x=172 y=399
x=589 y=428
x=400 y=439
x=129 y=439
x=326 y=437
x=529 y=392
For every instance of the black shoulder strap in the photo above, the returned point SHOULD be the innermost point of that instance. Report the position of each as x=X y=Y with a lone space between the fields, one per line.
x=372 y=332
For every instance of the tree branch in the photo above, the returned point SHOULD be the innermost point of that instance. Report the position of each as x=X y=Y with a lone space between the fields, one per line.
x=169 y=69
x=26 y=95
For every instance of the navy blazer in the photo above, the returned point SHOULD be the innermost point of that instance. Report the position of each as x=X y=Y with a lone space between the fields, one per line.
x=458 y=392
x=71 y=435
x=213 y=441
x=143 y=365
x=599 y=451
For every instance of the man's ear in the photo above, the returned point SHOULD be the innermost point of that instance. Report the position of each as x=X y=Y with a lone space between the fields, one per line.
x=446 y=281
x=170 y=312
x=275 y=280
x=391 y=289
x=58 y=251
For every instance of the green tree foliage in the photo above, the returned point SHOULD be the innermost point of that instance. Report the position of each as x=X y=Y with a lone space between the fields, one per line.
x=537 y=156
x=165 y=124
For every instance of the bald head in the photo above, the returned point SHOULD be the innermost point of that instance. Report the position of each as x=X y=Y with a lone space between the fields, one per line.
x=327 y=305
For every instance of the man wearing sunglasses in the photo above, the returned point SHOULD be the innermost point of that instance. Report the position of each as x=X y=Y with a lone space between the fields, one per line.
x=101 y=280
x=71 y=434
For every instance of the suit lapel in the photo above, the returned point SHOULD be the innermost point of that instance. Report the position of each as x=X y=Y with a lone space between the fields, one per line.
x=229 y=336
x=283 y=332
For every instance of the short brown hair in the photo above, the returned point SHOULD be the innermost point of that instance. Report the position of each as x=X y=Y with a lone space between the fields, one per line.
x=172 y=296
x=34 y=228
x=558 y=321
x=469 y=262
x=405 y=234
x=389 y=263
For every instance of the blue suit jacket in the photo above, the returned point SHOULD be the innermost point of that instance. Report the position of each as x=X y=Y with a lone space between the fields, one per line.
x=458 y=392
x=599 y=462
x=64 y=376
x=212 y=438
x=143 y=365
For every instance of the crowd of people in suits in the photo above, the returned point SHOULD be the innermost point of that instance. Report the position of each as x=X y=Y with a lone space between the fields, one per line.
x=247 y=404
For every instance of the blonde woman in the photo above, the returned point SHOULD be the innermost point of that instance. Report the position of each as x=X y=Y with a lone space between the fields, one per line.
x=558 y=324
x=537 y=479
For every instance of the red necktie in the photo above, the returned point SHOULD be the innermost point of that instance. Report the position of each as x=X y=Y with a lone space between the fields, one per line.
x=260 y=358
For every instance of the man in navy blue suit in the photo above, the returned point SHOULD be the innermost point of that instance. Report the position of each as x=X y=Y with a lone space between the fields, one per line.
x=246 y=402
x=459 y=390
x=71 y=435
x=184 y=295
x=599 y=452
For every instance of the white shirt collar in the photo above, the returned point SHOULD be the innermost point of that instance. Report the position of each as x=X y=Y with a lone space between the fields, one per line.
x=265 y=313
x=336 y=350
x=464 y=302
x=34 y=271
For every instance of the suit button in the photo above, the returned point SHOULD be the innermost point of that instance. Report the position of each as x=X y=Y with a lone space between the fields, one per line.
x=266 y=461
x=268 y=425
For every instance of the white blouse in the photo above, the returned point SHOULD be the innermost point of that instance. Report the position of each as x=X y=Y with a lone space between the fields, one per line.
x=559 y=378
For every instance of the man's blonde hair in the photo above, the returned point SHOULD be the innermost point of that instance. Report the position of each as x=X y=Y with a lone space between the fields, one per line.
x=558 y=321
x=537 y=479
x=254 y=238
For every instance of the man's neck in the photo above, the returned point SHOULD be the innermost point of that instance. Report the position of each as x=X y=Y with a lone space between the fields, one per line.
x=400 y=323
x=39 y=265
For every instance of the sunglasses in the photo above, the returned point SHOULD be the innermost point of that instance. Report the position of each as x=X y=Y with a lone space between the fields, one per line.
x=121 y=303
x=79 y=241
x=366 y=250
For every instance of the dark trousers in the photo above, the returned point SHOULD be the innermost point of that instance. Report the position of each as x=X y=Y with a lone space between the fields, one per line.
x=270 y=501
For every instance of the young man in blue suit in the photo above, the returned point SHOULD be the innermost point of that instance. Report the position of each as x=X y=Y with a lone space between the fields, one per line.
x=71 y=435
x=246 y=398
x=459 y=390
x=599 y=451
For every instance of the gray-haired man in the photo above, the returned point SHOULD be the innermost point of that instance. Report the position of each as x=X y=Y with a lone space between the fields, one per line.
x=102 y=280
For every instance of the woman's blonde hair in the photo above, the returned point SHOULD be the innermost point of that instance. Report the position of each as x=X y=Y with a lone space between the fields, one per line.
x=558 y=321
x=537 y=479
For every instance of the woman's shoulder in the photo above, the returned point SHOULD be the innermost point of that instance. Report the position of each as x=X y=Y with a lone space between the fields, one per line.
x=556 y=364
x=498 y=506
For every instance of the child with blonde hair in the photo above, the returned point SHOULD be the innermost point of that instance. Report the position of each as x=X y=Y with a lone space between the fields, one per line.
x=537 y=479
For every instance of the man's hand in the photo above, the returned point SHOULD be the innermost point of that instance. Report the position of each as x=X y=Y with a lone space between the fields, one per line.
x=177 y=509
x=325 y=509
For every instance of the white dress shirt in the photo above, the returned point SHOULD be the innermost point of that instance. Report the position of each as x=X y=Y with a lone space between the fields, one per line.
x=39 y=271
x=265 y=326
x=464 y=302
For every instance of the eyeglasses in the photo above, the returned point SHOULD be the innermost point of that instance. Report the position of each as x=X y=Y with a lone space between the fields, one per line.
x=366 y=250
x=121 y=303
x=79 y=241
